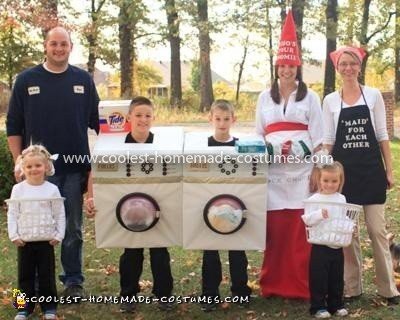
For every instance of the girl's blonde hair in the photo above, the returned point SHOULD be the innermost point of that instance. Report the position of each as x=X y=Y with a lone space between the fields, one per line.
x=336 y=166
x=36 y=150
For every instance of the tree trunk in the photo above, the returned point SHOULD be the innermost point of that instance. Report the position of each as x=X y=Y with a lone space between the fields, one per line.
x=331 y=37
x=206 y=90
x=241 y=67
x=92 y=36
x=282 y=6
x=125 y=48
x=298 y=14
x=397 y=53
x=363 y=38
x=175 y=44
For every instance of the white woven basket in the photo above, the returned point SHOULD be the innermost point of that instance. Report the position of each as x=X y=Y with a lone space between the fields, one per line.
x=337 y=230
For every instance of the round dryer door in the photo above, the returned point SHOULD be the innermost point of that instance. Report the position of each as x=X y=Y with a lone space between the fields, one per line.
x=137 y=212
x=225 y=214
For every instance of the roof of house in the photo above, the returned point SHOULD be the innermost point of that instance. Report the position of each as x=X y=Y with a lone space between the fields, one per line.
x=164 y=69
x=99 y=77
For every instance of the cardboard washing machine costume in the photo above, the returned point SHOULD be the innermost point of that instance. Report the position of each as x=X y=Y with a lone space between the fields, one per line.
x=224 y=202
x=136 y=186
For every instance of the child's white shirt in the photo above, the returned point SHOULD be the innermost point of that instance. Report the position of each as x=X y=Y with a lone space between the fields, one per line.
x=314 y=217
x=36 y=220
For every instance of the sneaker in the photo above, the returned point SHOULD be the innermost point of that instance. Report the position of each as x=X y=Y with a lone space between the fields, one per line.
x=50 y=316
x=165 y=306
x=208 y=307
x=393 y=300
x=74 y=291
x=341 y=312
x=322 y=314
x=127 y=307
x=21 y=316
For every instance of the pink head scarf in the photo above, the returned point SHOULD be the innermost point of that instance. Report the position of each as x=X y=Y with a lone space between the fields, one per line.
x=358 y=52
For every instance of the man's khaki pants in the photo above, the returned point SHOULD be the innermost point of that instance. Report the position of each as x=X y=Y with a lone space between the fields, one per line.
x=376 y=227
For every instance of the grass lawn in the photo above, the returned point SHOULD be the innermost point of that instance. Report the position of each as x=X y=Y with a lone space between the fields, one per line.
x=101 y=270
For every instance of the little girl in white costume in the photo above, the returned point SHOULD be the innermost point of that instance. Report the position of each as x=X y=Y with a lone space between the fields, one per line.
x=36 y=223
x=327 y=261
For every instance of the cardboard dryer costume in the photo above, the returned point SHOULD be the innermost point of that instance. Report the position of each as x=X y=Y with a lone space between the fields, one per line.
x=223 y=202
x=139 y=199
x=292 y=129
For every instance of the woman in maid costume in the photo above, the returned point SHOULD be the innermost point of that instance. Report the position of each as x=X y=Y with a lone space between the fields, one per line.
x=356 y=135
x=289 y=116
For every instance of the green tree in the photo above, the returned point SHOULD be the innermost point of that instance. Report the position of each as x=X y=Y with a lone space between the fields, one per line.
x=18 y=49
x=99 y=45
x=367 y=23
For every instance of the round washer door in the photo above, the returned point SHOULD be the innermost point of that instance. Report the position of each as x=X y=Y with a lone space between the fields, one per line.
x=137 y=212
x=225 y=214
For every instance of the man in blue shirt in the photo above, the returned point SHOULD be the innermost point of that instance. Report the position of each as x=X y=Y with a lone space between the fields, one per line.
x=54 y=104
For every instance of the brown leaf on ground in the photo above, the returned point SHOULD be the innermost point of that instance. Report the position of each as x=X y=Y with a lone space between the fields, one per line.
x=225 y=305
x=358 y=313
x=109 y=269
x=251 y=315
x=225 y=279
x=184 y=280
x=183 y=308
x=5 y=301
x=254 y=271
x=254 y=285
x=145 y=284
x=368 y=264
x=189 y=263
x=4 y=250
x=281 y=314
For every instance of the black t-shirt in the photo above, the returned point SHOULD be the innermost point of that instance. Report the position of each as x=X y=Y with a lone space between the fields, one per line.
x=214 y=143
x=129 y=138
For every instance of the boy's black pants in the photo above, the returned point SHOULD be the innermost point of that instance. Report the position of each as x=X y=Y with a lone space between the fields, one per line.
x=131 y=267
x=212 y=273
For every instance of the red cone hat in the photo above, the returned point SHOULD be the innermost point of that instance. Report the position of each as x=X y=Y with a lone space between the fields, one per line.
x=288 y=52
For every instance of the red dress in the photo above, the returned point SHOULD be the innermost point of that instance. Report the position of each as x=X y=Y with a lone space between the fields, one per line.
x=285 y=267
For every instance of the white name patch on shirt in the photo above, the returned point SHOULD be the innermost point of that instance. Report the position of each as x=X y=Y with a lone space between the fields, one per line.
x=79 y=89
x=33 y=90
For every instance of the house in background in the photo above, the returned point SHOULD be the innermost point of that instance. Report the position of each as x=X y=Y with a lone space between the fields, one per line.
x=99 y=77
x=163 y=68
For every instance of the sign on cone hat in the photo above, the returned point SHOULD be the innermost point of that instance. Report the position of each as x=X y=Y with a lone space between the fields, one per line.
x=288 y=52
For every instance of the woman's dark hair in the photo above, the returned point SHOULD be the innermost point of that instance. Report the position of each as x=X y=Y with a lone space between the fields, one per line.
x=301 y=89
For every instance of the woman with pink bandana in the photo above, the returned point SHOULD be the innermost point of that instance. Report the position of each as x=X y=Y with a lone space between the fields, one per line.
x=355 y=133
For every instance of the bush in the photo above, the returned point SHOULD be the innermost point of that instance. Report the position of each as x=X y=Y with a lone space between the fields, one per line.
x=6 y=168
